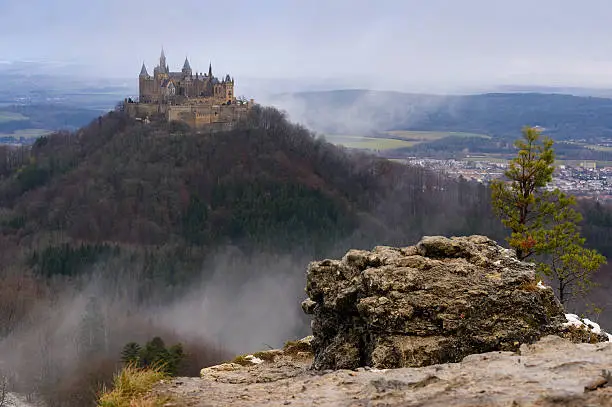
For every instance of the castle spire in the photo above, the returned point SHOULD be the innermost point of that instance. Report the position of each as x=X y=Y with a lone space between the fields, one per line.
x=143 y=70
x=210 y=70
x=162 y=61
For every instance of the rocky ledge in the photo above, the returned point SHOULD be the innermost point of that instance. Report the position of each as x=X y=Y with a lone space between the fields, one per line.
x=552 y=372
x=436 y=302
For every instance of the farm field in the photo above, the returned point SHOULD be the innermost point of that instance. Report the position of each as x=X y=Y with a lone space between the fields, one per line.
x=488 y=158
x=393 y=139
x=368 y=143
x=426 y=136
x=6 y=117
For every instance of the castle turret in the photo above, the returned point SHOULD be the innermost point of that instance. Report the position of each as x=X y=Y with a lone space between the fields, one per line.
x=186 y=67
x=210 y=75
x=162 y=62
x=143 y=71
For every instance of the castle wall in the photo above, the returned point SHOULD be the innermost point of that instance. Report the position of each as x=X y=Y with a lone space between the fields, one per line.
x=143 y=110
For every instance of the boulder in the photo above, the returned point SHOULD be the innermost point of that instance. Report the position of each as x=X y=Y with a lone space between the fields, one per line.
x=435 y=302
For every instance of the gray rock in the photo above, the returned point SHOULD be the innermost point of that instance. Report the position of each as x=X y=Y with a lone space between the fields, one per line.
x=435 y=302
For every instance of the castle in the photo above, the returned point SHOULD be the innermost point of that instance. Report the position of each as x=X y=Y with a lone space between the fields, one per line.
x=200 y=100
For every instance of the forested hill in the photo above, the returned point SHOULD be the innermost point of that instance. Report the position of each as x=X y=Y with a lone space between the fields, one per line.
x=268 y=185
x=500 y=115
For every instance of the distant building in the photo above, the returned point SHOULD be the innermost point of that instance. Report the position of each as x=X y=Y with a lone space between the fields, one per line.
x=200 y=100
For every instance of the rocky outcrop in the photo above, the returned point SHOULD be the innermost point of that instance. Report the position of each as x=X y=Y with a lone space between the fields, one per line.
x=550 y=372
x=435 y=302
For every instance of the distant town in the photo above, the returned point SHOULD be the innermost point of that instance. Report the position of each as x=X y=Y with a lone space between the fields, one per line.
x=585 y=180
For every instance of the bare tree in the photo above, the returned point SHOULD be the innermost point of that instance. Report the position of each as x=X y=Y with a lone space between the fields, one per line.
x=5 y=399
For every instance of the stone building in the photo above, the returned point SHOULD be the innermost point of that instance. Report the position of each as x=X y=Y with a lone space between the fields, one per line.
x=165 y=86
x=198 y=99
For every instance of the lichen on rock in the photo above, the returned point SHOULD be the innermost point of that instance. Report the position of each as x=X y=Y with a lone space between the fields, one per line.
x=435 y=302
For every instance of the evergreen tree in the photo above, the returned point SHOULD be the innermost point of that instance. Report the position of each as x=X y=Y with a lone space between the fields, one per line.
x=154 y=353
x=130 y=355
x=543 y=221
x=175 y=357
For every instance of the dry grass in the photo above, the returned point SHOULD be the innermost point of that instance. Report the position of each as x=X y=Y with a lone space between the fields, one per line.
x=130 y=386
x=267 y=356
x=242 y=360
x=531 y=286
x=295 y=347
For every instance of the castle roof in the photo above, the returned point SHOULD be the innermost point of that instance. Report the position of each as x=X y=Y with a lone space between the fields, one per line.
x=167 y=83
x=186 y=65
x=143 y=70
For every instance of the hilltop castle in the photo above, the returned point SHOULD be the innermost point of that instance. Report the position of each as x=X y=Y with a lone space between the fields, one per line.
x=200 y=100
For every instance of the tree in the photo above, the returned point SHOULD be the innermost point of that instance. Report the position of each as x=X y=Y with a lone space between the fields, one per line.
x=5 y=398
x=131 y=354
x=566 y=261
x=154 y=354
x=543 y=222
x=523 y=205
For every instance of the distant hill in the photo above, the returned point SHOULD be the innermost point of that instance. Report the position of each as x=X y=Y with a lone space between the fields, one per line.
x=38 y=99
x=36 y=119
x=500 y=115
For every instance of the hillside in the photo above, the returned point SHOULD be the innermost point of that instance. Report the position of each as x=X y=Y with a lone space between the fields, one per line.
x=269 y=184
x=499 y=115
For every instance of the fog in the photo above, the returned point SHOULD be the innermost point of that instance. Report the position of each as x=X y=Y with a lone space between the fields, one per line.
x=238 y=304
x=393 y=44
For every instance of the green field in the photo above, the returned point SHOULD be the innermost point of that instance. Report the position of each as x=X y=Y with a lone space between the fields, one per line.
x=395 y=139
x=487 y=158
x=368 y=143
x=6 y=117
x=426 y=136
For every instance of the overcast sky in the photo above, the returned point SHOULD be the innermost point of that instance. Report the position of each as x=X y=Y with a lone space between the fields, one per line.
x=392 y=43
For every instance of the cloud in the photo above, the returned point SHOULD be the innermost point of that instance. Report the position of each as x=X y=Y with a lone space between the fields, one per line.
x=401 y=43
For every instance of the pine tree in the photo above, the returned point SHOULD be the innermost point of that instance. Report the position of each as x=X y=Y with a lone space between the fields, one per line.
x=542 y=221
x=154 y=353
x=130 y=355
x=175 y=357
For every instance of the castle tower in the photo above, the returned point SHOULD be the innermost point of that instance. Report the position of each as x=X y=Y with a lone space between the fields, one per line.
x=210 y=75
x=143 y=71
x=186 y=68
x=163 y=67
